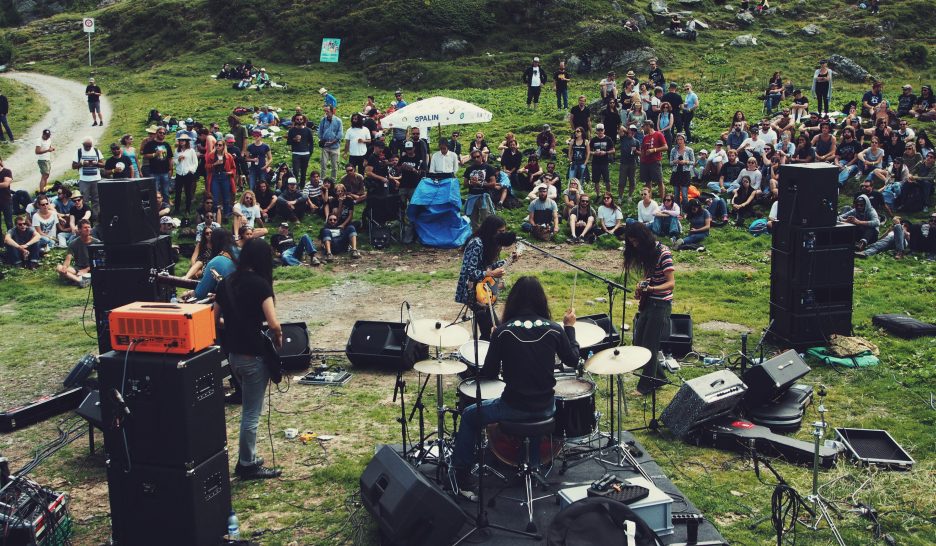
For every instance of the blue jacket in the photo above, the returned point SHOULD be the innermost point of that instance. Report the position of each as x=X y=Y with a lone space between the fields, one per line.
x=330 y=130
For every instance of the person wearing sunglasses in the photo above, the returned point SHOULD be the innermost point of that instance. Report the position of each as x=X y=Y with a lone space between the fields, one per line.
x=23 y=244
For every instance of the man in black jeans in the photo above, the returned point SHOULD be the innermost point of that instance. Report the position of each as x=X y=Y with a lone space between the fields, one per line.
x=301 y=144
x=4 y=111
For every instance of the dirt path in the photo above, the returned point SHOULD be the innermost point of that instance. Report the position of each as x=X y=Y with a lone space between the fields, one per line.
x=69 y=120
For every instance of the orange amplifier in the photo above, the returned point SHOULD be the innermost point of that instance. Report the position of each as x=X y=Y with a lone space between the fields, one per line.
x=176 y=328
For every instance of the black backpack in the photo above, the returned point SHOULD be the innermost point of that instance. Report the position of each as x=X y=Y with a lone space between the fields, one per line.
x=597 y=520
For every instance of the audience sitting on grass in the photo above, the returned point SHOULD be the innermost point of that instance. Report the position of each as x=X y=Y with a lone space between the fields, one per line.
x=23 y=244
x=77 y=265
x=291 y=252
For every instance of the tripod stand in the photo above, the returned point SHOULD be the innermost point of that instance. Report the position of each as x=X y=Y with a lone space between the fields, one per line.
x=818 y=506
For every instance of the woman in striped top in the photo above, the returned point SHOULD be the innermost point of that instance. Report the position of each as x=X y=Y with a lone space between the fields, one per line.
x=642 y=252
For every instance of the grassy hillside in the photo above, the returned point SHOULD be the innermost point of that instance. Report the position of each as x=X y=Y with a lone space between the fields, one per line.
x=25 y=108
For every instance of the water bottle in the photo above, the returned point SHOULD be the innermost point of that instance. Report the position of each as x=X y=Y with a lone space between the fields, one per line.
x=710 y=360
x=233 y=527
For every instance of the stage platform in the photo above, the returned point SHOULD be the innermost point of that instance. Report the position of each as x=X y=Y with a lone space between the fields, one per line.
x=511 y=514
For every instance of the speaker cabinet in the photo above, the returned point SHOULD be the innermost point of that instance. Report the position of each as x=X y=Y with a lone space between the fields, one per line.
x=176 y=405
x=802 y=241
x=801 y=298
x=295 y=352
x=408 y=509
x=679 y=341
x=128 y=210
x=769 y=379
x=702 y=399
x=808 y=195
x=155 y=505
x=151 y=253
x=809 y=329
x=377 y=344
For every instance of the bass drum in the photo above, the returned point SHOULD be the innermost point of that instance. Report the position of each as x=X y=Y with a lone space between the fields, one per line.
x=467 y=391
x=509 y=449
x=575 y=407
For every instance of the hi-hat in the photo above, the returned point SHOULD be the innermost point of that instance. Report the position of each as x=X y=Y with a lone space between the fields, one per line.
x=588 y=334
x=434 y=333
x=440 y=367
x=623 y=359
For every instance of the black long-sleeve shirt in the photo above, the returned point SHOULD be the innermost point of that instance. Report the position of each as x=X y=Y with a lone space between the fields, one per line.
x=526 y=348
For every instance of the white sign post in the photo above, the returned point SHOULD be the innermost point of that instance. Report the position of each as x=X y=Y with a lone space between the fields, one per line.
x=87 y=24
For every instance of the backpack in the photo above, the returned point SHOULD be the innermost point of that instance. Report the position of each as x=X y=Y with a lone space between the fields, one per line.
x=379 y=236
x=758 y=227
x=598 y=520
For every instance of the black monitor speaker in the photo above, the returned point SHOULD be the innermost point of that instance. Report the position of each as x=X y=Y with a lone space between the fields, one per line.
x=128 y=210
x=808 y=195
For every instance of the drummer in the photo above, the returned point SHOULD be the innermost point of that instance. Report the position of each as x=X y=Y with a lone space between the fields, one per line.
x=524 y=348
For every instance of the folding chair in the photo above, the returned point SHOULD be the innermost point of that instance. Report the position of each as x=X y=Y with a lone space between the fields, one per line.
x=382 y=211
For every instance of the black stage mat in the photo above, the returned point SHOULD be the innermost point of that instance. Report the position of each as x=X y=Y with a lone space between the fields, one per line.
x=511 y=514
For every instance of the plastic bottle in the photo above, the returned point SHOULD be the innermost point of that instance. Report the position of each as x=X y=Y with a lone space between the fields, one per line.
x=233 y=526
x=709 y=360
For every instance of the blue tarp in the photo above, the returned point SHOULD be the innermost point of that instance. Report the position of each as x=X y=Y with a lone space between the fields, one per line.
x=435 y=212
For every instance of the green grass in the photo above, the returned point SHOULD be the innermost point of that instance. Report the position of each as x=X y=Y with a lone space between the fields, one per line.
x=26 y=107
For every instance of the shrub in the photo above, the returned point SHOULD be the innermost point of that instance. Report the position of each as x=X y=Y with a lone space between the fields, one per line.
x=915 y=55
x=6 y=51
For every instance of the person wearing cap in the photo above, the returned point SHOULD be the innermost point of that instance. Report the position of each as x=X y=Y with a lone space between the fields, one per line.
x=651 y=156
x=534 y=77
x=601 y=151
x=822 y=86
x=291 y=252
x=186 y=164
x=44 y=149
x=88 y=161
x=291 y=203
x=220 y=170
x=546 y=143
x=905 y=101
x=328 y=99
x=628 y=147
x=561 y=81
x=4 y=112
x=117 y=166
x=93 y=93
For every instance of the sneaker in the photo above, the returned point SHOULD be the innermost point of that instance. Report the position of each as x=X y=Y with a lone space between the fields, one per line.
x=94 y=124
x=356 y=254
x=35 y=265
x=85 y=281
x=329 y=257
x=860 y=254
x=256 y=472
x=315 y=261
x=700 y=249
x=679 y=242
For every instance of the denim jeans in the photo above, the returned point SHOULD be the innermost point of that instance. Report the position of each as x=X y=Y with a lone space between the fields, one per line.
x=254 y=176
x=293 y=256
x=695 y=238
x=492 y=411
x=577 y=170
x=562 y=99
x=342 y=242
x=163 y=185
x=665 y=226
x=847 y=172
x=5 y=125
x=221 y=191
x=718 y=209
x=15 y=255
x=252 y=374
x=895 y=238
x=729 y=186
x=300 y=165
x=652 y=326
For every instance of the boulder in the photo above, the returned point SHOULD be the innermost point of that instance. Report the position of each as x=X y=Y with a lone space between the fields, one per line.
x=848 y=68
x=574 y=64
x=744 y=40
x=455 y=46
x=744 y=18
x=640 y=20
x=778 y=32
x=702 y=24
x=369 y=52
x=811 y=30
x=658 y=7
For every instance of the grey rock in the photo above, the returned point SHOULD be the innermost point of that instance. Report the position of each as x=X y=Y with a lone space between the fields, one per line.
x=744 y=18
x=811 y=30
x=658 y=6
x=702 y=24
x=744 y=40
x=454 y=45
x=369 y=52
x=848 y=68
x=729 y=8
x=778 y=32
x=640 y=20
x=573 y=63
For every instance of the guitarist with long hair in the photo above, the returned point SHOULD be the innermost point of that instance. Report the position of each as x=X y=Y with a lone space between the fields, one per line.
x=481 y=262
x=245 y=300
x=642 y=252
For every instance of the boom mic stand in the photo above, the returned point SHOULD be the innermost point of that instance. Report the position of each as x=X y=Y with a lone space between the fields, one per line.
x=481 y=524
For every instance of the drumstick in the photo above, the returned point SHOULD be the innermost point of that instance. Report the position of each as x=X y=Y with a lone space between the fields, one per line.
x=574 y=283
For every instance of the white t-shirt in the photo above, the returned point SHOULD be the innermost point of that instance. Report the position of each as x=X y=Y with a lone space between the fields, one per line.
x=756 y=146
x=47 y=228
x=536 y=80
x=645 y=214
x=772 y=215
x=769 y=138
x=88 y=174
x=250 y=214
x=44 y=144
x=610 y=216
x=718 y=156
x=754 y=175
x=355 y=148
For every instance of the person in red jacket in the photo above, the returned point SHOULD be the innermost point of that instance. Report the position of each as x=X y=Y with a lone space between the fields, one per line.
x=220 y=171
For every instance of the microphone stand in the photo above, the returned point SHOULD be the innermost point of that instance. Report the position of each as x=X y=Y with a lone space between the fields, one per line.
x=482 y=525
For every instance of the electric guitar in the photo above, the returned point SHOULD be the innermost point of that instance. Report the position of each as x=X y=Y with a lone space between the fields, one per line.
x=487 y=289
x=642 y=294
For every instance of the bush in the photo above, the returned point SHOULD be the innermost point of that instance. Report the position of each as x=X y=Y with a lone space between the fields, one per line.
x=6 y=51
x=914 y=55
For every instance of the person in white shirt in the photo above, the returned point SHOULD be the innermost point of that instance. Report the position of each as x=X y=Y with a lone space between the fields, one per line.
x=752 y=146
x=766 y=134
x=44 y=149
x=646 y=208
x=443 y=161
x=45 y=222
x=247 y=213
x=534 y=77
x=752 y=171
x=186 y=163
x=716 y=159
x=357 y=137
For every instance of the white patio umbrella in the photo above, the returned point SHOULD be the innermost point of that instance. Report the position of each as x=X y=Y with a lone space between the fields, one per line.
x=437 y=111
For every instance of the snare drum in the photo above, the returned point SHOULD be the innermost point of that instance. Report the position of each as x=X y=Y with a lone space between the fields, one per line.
x=575 y=407
x=467 y=391
x=509 y=449
x=466 y=353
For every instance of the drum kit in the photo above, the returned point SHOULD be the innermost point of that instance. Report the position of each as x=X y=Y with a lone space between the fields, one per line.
x=576 y=416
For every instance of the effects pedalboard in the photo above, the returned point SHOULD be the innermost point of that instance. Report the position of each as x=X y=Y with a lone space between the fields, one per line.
x=334 y=376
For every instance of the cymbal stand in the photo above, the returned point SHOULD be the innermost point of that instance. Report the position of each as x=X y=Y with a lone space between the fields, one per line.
x=419 y=450
x=400 y=387
x=654 y=424
x=817 y=505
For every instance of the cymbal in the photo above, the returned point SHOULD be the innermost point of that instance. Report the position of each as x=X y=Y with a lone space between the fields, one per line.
x=623 y=359
x=434 y=333
x=440 y=367
x=588 y=334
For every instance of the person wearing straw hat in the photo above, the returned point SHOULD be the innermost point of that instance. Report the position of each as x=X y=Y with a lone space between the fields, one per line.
x=329 y=99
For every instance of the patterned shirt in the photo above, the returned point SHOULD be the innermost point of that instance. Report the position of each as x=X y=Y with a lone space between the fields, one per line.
x=658 y=277
x=472 y=269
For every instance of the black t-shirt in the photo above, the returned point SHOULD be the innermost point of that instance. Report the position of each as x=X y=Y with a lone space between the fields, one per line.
x=281 y=242
x=241 y=298
x=511 y=159
x=561 y=85
x=673 y=99
x=6 y=194
x=158 y=165
x=731 y=171
x=113 y=161
x=264 y=198
x=580 y=116
x=346 y=205
x=847 y=150
x=305 y=139
x=876 y=199
x=483 y=171
x=79 y=213
x=380 y=168
x=872 y=98
x=604 y=143
x=905 y=103
x=656 y=76
x=412 y=168
x=93 y=89
x=578 y=152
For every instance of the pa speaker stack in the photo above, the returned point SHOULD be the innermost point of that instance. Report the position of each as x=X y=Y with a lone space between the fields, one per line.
x=166 y=444
x=812 y=259
x=121 y=266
